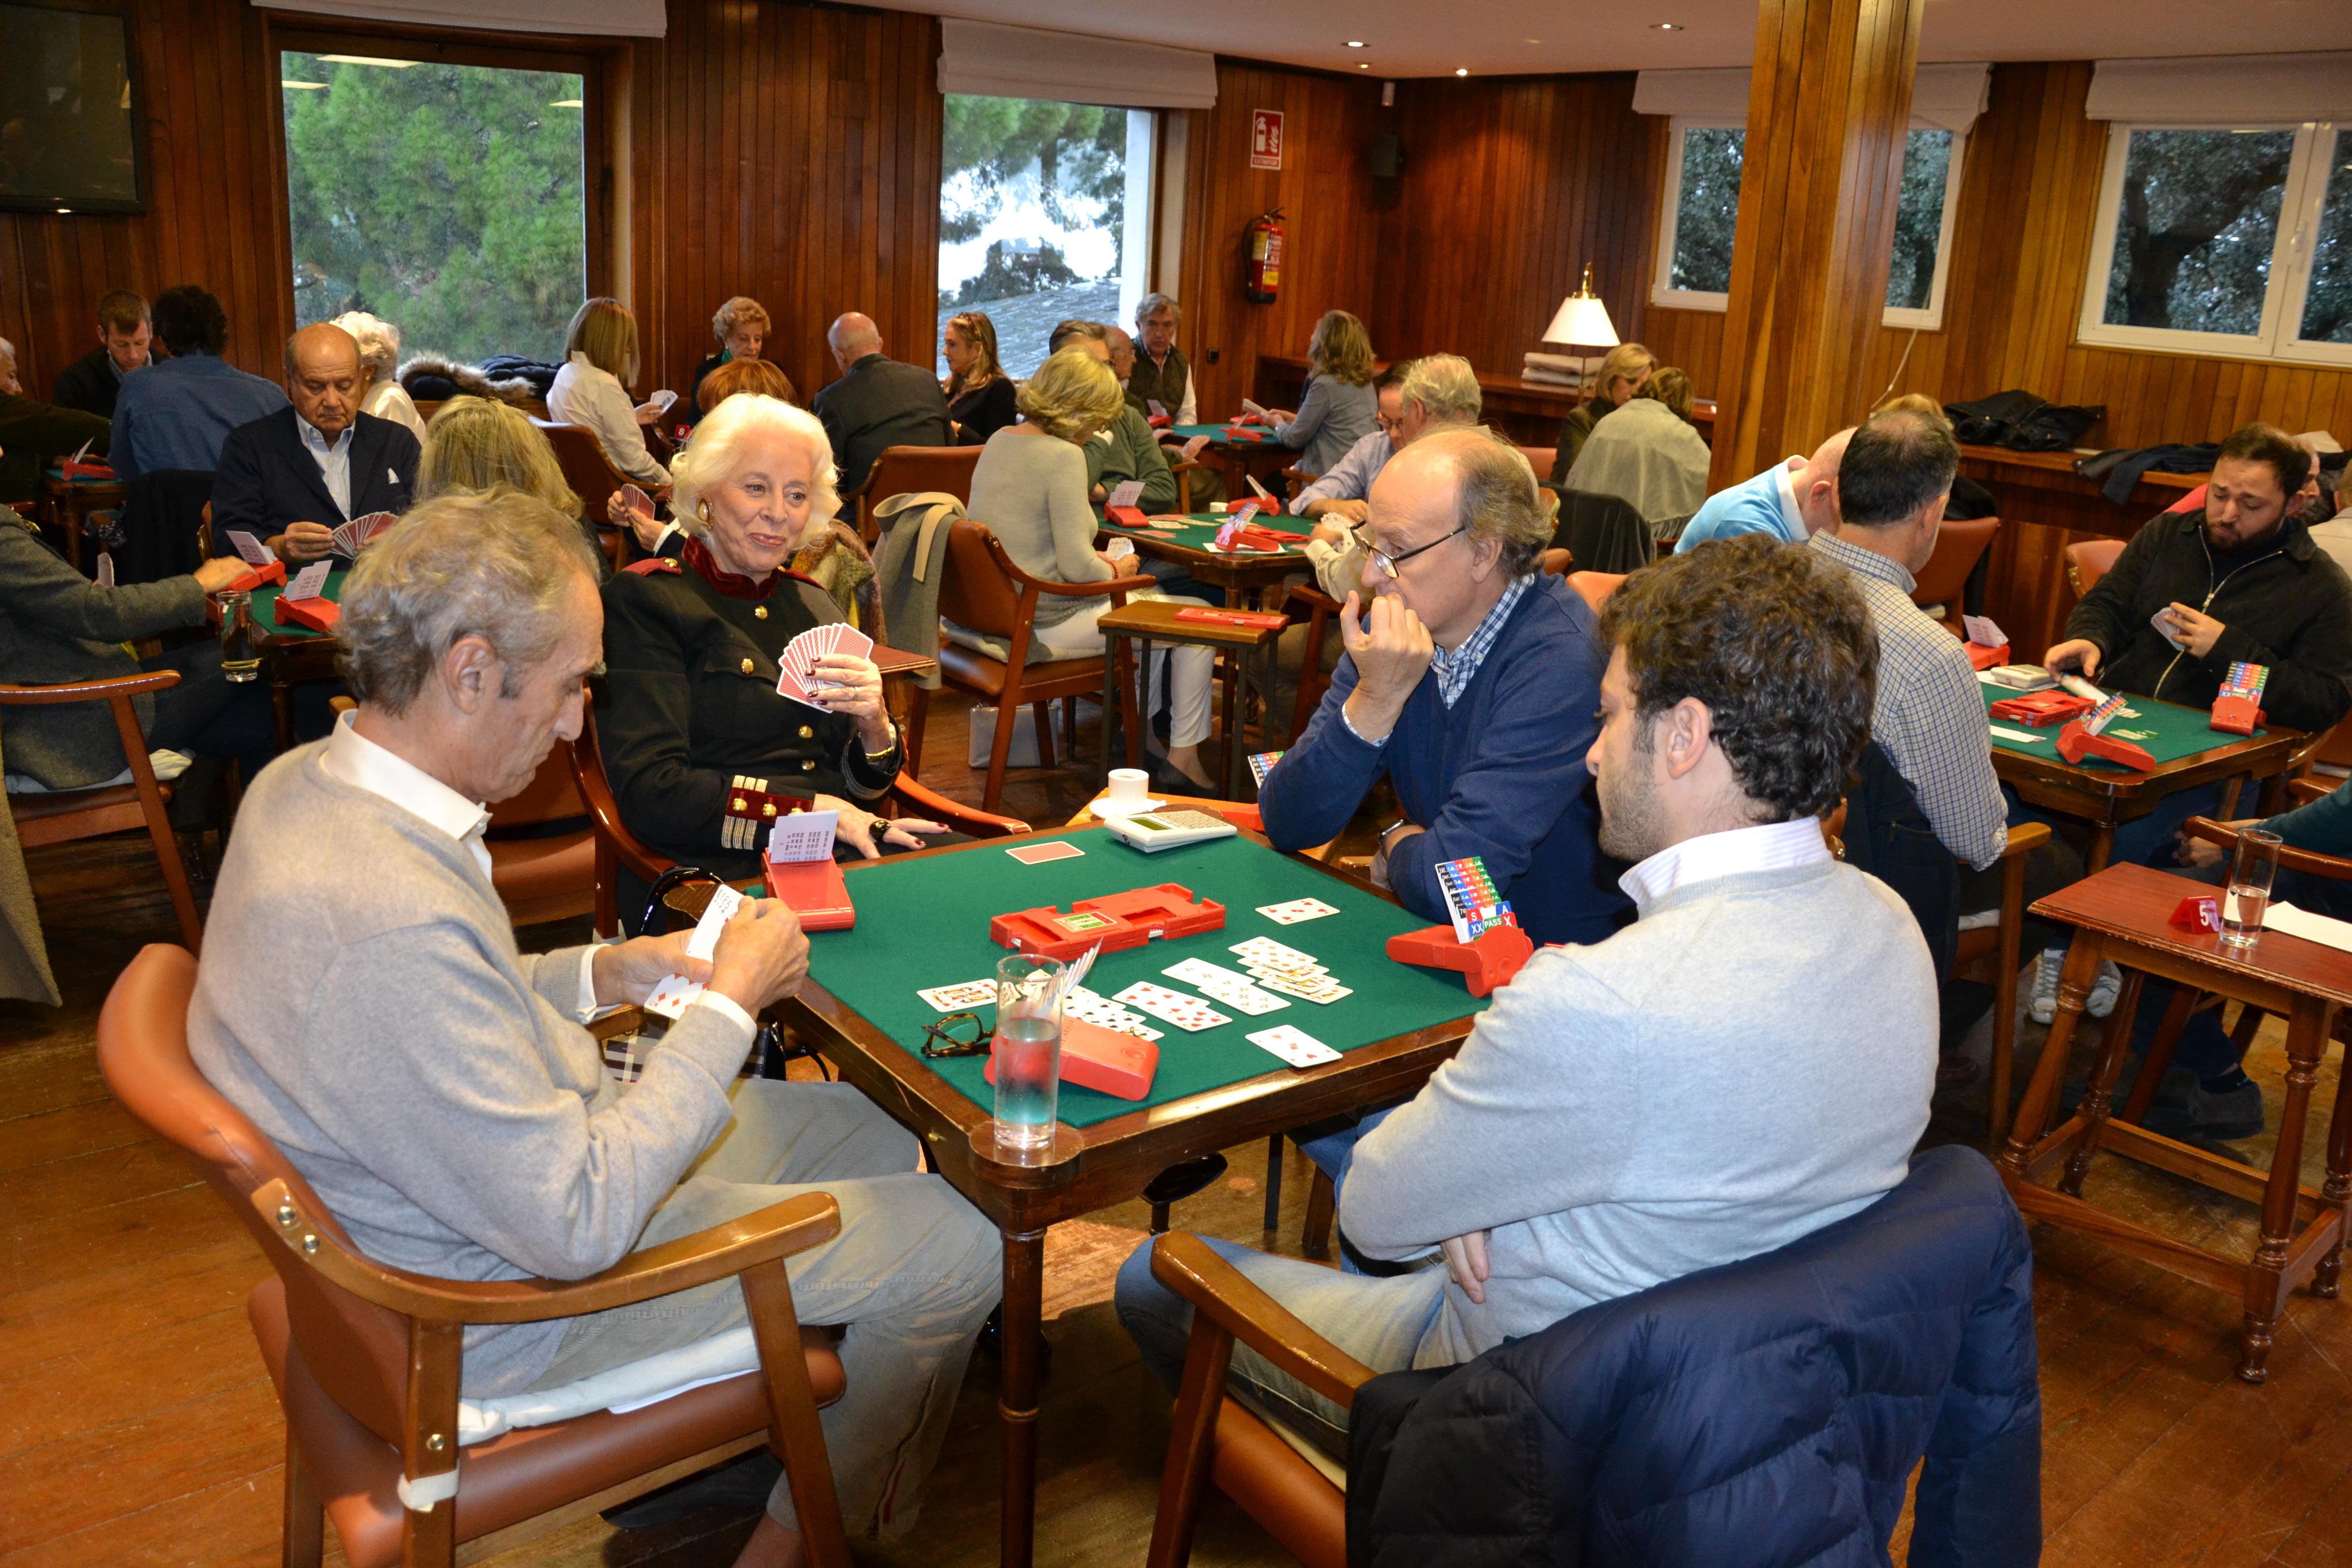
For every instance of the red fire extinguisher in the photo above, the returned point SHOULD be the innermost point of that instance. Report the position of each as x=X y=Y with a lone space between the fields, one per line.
x=1262 y=280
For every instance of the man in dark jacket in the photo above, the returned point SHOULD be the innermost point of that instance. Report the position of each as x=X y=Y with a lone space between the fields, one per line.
x=292 y=477
x=2195 y=593
x=877 y=402
x=91 y=383
x=34 y=434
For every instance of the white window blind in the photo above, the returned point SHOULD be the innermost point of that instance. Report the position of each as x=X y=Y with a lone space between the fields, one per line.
x=996 y=61
x=1943 y=97
x=2229 y=91
x=603 y=18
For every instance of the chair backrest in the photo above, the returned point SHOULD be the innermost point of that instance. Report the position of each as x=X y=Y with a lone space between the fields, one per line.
x=2089 y=561
x=1957 y=546
x=358 y=1352
x=1603 y=532
x=1555 y=562
x=596 y=792
x=907 y=470
x=976 y=592
x=1541 y=459
x=585 y=467
x=1596 y=587
x=163 y=521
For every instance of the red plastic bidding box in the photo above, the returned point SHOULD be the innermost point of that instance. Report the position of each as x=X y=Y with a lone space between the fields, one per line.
x=1485 y=963
x=1257 y=620
x=1981 y=658
x=2198 y=914
x=2039 y=709
x=1117 y=921
x=1125 y=516
x=254 y=576
x=1097 y=1058
x=2076 y=742
x=318 y=614
x=814 y=891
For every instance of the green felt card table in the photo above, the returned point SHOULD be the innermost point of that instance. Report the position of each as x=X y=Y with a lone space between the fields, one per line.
x=292 y=656
x=2188 y=751
x=922 y=921
x=1239 y=572
x=1237 y=456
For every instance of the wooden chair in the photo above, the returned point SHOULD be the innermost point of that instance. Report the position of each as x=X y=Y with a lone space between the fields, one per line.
x=1990 y=955
x=1184 y=469
x=615 y=846
x=591 y=474
x=1299 y=1499
x=1555 y=562
x=1540 y=459
x=1944 y=580
x=1313 y=682
x=365 y=1358
x=2089 y=561
x=983 y=591
x=911 y=470
x=67 y=815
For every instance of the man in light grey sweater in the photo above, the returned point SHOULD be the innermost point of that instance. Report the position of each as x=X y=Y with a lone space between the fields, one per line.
x=1749 y=1061
x=363 y=999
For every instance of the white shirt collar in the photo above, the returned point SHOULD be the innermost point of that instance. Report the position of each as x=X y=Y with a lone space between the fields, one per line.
x=1784 y=477
x=361 y=764
x=1768 y=846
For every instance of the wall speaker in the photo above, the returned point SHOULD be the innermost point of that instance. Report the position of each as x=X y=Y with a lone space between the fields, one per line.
x=1388 y=157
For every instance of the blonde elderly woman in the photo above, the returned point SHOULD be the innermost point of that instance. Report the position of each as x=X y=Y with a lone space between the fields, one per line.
x=1030 y=487
x=600 y=355
x=474 y=443
x=695 y=739
x=741 y=327
x=381 y=396
x=1623 y=372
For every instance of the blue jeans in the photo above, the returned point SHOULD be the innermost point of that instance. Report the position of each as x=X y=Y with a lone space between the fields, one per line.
x=2147 y=841
x=1382 y=1323
x=1334 y=1153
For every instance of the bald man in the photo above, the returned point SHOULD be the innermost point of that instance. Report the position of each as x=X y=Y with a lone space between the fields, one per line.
x=291 y=478
x=877 y=402
x=1795 y=499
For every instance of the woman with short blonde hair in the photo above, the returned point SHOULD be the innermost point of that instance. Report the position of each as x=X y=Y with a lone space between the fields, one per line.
x=741 y=327
x=383 y=396
x=474 y=443
x=980 y=398
x=1340 y=409
x=1030 y=488
x=1622 y=371
x=600 y=358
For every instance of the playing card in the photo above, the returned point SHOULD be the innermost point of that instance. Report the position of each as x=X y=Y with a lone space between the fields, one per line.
x=105 y=569
x=1296 y=910
x=309 y=582
x=1982 y=631
x=1187 y=1013
x=636 y=501
x=1319 y=991
x=1263 y=494
x=1038 y=854
x=2162 y=622
x=1126 y=494
x=81 y=453
x=960 y=998
x=1246 y=996
x=676 y=993
x=803 y=836
x=1264 y=951
x=251 y=550
x=1195 y=972
x=366 y=530
x=673 y=996
x=1294 y=1045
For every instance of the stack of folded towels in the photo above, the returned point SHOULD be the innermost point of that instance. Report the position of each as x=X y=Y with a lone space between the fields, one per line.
x=1560 y=370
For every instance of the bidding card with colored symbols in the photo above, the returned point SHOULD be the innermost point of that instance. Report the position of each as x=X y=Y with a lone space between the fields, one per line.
x=309 y=582
x=675 y=993
x=1262 y=763
x=1472 y=899
x=1296 y=910
x=1187 y=1013
x=1294 y=1045
x=250 y=549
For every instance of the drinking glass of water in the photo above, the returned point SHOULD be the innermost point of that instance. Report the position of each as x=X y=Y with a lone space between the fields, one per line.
x=2248 y=892
x=240 y=660
x=1026 y=1053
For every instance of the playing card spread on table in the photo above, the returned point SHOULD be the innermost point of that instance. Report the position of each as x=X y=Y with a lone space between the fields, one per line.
x=1265 y=952
x=1187 y=1013
x=362 y=532
x=676 y=993
x=797 y=663
x=309 y=582
x=960 y=998
x=250 y=549
x=1294 y=1045
x=1197 y=972
x=1038 y=854
x=1316 y=989
x=1296 y=910
x=1104 y=1013
x=803 y=836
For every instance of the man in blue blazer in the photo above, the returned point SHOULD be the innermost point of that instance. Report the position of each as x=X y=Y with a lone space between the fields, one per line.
x=292 y=477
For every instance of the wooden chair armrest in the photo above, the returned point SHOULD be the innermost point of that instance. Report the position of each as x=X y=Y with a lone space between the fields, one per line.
x=1188 y=1265
x=2289 y=857
x=2024 y=838
x=2303 y=791
x=1095 y=590
x=88 y=690
x=927 y=802
x=763 y=1236
x=1313 y=598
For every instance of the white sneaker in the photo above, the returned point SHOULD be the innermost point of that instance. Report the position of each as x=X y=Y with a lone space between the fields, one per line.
x=2104 y=990
x=2043 y=1007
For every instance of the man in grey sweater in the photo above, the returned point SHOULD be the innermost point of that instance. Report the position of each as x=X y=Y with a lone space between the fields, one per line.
x=363 y=999
x=1749 y=1061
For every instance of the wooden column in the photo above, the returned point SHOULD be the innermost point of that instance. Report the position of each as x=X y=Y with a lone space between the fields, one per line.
x=1827 y=110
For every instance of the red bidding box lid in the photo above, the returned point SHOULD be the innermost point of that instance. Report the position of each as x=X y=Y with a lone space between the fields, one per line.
x=2198 y=914
x=1099 y=1059
x=318 y=614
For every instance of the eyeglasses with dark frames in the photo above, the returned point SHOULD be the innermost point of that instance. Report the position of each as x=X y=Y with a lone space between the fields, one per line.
x=1388 y=563
x=957 y=1035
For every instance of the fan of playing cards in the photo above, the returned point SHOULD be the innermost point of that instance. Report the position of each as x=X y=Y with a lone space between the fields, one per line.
x=362 y=532
x=798 y=661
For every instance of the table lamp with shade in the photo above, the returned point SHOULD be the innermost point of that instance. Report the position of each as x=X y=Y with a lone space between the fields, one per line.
x=1582 y=321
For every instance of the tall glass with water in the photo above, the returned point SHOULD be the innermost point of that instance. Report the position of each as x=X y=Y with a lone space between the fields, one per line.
x=240 y=660
x=2252 y=866
x=1026 y=1054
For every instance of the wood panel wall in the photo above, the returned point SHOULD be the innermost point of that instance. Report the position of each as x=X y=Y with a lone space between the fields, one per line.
x=216 y=200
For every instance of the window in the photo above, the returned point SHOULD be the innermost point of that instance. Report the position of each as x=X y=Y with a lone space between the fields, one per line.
x=448 y=199
x=1044 y=215
x=1702 y=212
x=2225 y=241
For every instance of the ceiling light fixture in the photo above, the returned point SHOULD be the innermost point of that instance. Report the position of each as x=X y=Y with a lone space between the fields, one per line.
x=369 y=60
x=1460 y=70
x=1363 y=65
x=1666 y=26
x=1355 y=42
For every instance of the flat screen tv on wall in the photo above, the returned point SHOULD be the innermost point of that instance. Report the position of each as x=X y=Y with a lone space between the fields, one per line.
x=68 y=112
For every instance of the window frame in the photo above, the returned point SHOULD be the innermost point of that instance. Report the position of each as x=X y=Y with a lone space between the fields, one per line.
x=1663 y=295
x=2284 y=294
x=1930 y=316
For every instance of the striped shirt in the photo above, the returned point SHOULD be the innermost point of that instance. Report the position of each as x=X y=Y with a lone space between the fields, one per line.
x=1455 y=669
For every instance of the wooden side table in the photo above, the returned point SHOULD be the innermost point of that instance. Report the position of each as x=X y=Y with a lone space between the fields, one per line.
x=2122 y=913
x=1149 y=621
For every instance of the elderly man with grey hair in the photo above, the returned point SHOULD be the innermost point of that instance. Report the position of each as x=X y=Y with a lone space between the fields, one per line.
x=362 y=999
x=1161 y=379
x=877 y=403
x=1438 y=392
x=381 y=393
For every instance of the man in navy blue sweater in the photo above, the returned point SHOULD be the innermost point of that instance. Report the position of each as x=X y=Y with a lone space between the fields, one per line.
x=1472 y=682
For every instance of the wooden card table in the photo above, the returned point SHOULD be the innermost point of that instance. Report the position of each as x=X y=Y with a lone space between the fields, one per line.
x=2123 y=913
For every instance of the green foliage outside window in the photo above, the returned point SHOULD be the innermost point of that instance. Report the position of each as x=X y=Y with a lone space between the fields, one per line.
x=1918 y=220
x=1707 y=210
x=1079 y=152
x=449 y=200
x=2197 y=230
x=2328 y=307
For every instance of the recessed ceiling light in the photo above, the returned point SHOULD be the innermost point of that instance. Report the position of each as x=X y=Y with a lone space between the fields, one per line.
x=1460 y=70
x=369 y=60
x=1666 y=26
x=1363 y=65
x=1355 y=42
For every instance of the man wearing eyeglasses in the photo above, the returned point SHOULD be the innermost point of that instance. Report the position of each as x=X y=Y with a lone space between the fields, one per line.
x=1471 y=681
x=1416 y=398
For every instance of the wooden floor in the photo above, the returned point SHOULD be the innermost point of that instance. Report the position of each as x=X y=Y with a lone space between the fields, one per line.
x=136 y=1425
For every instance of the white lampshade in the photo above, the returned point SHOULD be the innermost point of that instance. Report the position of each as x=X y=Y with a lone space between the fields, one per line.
x=1582 y=321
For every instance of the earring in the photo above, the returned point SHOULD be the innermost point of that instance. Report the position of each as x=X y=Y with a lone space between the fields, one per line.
x=702 y=510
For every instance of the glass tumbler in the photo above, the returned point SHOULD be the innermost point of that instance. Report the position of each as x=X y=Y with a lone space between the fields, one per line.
x=2252 y=866
x=240 y=660
x=1026 y=1053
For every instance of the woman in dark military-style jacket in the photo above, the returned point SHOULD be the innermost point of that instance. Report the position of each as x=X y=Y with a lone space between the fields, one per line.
x=702 y=751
